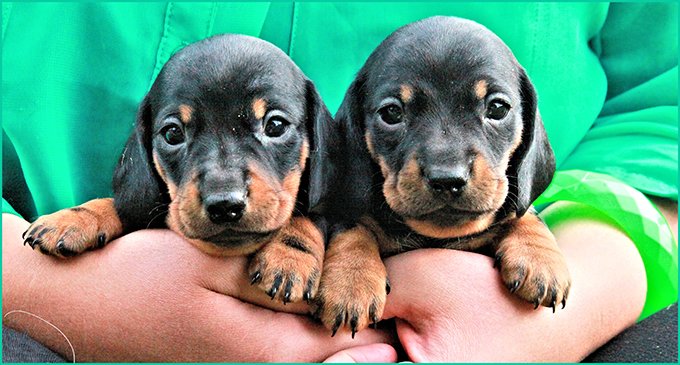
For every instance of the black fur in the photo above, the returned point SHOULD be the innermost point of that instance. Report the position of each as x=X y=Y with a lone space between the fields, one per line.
x=441 y=58
x=218 y=78
x=138 y=190
x=533 y=164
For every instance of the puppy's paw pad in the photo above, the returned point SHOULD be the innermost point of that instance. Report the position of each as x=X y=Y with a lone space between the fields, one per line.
x=286 y=269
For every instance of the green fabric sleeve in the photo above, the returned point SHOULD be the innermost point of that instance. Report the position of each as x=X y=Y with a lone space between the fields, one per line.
x=635 y=215
x=635 y=138
x=7 y=208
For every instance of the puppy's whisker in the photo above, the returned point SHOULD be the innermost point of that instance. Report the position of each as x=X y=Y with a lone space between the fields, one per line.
x=163 y=205
x=160 y=214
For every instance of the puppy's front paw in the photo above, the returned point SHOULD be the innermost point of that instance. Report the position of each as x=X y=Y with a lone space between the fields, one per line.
x=289 y=267
x=65 y=233
x=354 y=283
x=69 y=232
x=351 y=302
x=533 y=267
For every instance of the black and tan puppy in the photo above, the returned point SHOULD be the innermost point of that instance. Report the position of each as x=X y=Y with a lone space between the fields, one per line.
x=438 y=143
x=218 y=155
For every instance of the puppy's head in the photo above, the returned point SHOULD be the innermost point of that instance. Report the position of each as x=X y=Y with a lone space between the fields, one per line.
x=221 y=143
x=450 y=118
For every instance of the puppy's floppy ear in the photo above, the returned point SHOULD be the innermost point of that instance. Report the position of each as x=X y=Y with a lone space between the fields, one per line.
x=532 y=165
x=343 y=165
x=317 y=118
x=139 y=193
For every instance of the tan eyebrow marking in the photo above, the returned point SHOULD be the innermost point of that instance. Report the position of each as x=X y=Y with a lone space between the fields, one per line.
x=406 y=93
x=259 y=107
x=185 y=112
x=481 y=89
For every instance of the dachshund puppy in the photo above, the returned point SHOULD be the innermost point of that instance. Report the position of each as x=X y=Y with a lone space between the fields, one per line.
x=438 y=143
x=218 y=155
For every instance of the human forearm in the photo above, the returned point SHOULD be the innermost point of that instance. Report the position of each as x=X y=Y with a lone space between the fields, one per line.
x=154 y=300
x=455 y=308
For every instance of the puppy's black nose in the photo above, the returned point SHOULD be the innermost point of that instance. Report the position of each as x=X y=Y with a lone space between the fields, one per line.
x=225 y=207
x=451 y=180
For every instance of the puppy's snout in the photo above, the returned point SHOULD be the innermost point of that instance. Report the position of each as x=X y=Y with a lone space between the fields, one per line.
x=225 y=207
x=452 y=180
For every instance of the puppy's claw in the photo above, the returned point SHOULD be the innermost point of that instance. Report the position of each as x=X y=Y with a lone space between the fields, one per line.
x=388 y=287
x=513 y=287
x=255 y=278
x=23 y=235
x=338 y=322
x=101 y=240
x=286 y=291
x=29 y=240
x=536 y=304
x=374 y=317
x=275 y=286
x=62 y=250
x=553 y=300
x=564 y=302
x=354 y=322
x=497 y=261
x=308 y=290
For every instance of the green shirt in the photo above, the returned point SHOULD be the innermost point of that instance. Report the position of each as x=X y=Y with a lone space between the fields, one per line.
x=73 y=74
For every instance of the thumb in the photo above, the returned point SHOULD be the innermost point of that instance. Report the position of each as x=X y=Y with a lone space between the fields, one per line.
x=377 y=352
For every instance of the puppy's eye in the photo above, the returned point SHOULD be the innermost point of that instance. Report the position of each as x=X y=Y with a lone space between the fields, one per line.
x=497 y=109
x=173 y=134
x=391 y=114
x=275 y=126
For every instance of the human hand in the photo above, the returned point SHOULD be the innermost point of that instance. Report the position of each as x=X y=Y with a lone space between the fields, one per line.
x=151 y=296
x=377 y=352
x=452 y=306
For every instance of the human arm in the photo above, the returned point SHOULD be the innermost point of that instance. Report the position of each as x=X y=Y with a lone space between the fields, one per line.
x=151 y=296
x=452 y=305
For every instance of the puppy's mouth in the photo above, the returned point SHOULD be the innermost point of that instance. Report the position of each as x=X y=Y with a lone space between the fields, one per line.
x=447 y=215
x=231 y=238
x=451 y=222
x=220 y=235
x=225 y=241
x=452 y=211
x=421 y=204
